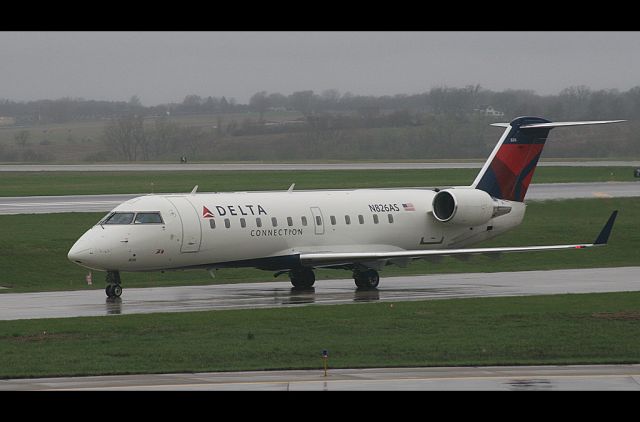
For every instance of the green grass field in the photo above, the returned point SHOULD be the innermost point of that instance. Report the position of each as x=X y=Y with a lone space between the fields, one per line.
x=84 y=183
x=543 y=330
x=33 y=249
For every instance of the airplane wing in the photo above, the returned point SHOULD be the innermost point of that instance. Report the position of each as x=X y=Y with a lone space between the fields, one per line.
x=374 y=259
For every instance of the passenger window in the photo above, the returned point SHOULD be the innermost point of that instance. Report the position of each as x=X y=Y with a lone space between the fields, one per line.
x=375 y=218
x=148 y=218
x=119 y=218
x=318 y=220
x=333 y=220
x=347 y=219
x=227 y=223
x=274 y=222
x=304 y=220
x=289 y=221
x=212 y=223
x=258 y=222
x=390 y=218
x=360 y=219
x=243 y=223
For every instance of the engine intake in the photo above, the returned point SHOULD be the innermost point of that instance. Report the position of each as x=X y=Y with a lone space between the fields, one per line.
x=471 y=207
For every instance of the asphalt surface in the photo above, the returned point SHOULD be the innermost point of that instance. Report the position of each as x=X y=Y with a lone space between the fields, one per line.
x=503 y=378
x=278 y=294
x=104 y=203
x=293 y=166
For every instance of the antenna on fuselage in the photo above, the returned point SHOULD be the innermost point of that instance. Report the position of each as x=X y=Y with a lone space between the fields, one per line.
x=291 y=188
x=195 y=188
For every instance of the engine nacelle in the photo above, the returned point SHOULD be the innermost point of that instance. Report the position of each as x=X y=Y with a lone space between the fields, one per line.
x=470 y=207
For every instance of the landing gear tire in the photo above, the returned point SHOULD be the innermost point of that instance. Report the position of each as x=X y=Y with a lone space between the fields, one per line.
x=366 y=280
x=113 y=289
x=302 y=278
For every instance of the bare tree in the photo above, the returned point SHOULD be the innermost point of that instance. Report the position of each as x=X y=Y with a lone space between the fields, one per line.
x=302 y=101
x=193 y=139
x=260 y=102
x=22 y=138
x=125 y=134
x=163 y=136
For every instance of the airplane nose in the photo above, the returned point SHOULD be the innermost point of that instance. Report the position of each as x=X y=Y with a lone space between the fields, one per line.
x=79 y=253
x=92 y=251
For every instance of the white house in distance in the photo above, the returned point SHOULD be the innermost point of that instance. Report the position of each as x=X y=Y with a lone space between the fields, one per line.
x=7 y=121
x=489 y=111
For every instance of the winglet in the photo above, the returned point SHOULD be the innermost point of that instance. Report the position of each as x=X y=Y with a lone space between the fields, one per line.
x=603 y=237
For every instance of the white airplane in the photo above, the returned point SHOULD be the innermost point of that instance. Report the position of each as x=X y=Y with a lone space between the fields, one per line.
x=295 y=232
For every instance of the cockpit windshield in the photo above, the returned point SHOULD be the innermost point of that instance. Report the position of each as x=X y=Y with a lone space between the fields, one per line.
x=119 y=218
x=132 y=217
x=148 y=218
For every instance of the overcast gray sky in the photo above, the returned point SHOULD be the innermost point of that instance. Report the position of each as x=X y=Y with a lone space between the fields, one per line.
x=162 y=67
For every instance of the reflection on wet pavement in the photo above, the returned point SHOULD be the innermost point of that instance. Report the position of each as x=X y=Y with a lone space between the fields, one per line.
x=113 y=305
x=279 y=294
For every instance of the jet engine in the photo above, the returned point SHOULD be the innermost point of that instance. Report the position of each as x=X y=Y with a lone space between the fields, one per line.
x=469 y=207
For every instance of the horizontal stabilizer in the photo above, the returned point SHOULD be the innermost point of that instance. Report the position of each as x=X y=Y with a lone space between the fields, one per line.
x=560 y=124
x=550 y=125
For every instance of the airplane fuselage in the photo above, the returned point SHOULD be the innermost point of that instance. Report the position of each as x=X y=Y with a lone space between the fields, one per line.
x=268 y=229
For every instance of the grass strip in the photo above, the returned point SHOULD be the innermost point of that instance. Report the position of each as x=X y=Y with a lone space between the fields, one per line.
x=599 y=328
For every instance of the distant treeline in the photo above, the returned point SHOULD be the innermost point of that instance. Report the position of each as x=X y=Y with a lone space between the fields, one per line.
x=579 y=102
x=444 y=122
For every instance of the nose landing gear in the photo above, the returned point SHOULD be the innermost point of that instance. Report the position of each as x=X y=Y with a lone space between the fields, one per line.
x=113 y=289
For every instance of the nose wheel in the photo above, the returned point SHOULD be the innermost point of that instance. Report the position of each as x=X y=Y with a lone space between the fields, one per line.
x=113 y=289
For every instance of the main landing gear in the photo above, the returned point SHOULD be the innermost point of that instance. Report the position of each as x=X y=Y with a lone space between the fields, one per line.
x=366 y=279
x=113 y=289
x=302 y=278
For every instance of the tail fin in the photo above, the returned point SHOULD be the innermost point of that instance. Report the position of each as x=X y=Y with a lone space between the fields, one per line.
x=509 y=169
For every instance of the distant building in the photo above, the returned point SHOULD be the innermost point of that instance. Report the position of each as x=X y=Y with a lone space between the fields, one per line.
x=489 y=111
x=7 y=121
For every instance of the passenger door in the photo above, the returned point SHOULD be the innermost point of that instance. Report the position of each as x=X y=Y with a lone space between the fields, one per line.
x=318 y=221
x=191 y=229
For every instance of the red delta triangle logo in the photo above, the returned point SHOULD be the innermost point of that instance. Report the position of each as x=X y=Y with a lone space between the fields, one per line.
x=206 y=213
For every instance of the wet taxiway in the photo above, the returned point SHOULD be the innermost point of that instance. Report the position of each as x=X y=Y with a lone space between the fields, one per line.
x=508 y=378
x=325 y=292
x=104 y=203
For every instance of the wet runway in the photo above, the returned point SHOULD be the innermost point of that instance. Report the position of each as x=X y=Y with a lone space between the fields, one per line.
x=507 y=378
x=325 y=292
x=104 y=203
x=56 y=204
x=295 y=166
